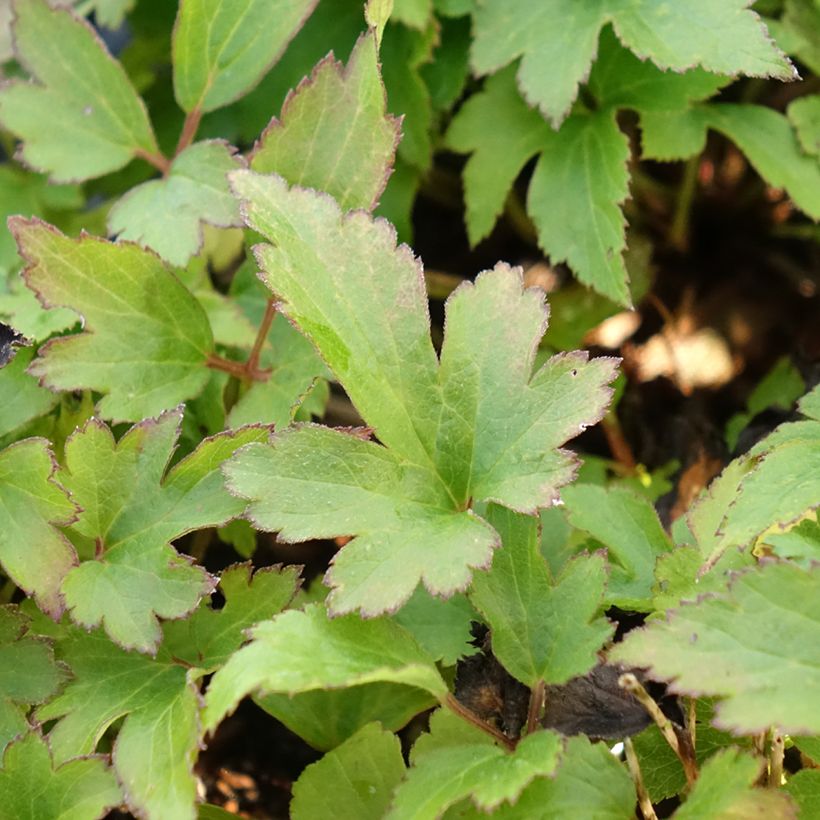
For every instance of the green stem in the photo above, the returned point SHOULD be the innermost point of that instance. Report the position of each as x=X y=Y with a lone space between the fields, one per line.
x=189 y=129
x=536 y=706
x=155 y=158
x=679 y=230
x=252 y=365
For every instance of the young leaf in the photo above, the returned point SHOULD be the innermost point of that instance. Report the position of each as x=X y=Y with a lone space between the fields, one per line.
x=325 y=718
x=725 y=789
x=479 y=425
x=131 y=510
x=541 y=630
x=167 y=215
x=28 y=673
x=558 y=42
x=209 y=636
x=221 y=51
x=343 y=652
x=33 y=552
x=103 y=123
x=145 y=339
x=355 y=780
x=32 y=788
x=629 y=527
x=334 y=134
x=486 y=773
x=730 y=646
x=158 y=740
x=23 y=398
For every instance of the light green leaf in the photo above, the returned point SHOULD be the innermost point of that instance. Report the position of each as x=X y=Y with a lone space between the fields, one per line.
x=131 y=510
x=486 y=773
x=804 y=789
x=34 y=553
x=23 y=398
x=103 y=123
x=558 y=41
x=413 y=13
x=629 y=528
x=145 y=340
x=33 y=789
x=208 y=637
x=589 y=783
x=542 y=630
x=345 y=651
x=28 y=673
x=800 y=543
x=334 y=134
x=167 y=215
x=801 y=23
x=809 y=405
x=221 y=51
x=158 y=740
x=725 y=789
x=673 y=135
x=732 y=646
x=20 y=308
x=326 y=718
x=804 y=115
x=355 y=780
x=479 y=425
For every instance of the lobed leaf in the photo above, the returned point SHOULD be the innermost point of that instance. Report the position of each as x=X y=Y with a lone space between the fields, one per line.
x=103 y=123
x=733 y=645
x=221 y=51
x=804 y=115
x=34 y=553
x=145 y=339
x=167 y=215
x=23 y=398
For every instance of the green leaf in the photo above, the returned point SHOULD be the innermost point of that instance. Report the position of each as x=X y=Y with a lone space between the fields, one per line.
x=131 y=510
x=801 y=22
x=476 y=426
x=28 y=673
x=628 y=526
x=33 y=789
x=589 y=783
x=208 y=637
x=34 y=553
x=355 y=780
x=804 y=115
x=542 y=630
x=413 y=13
x=23 y=398
x=334 y=134
x=725 y=789
x=804 y=789
x=558 y=41
x=159 y=737
x=732 y=646
x=344 y=651
x=145 y=340
x=484 y=772
x=103 y=123
x=673 y=135
x=325 y=718
x=167 y=215
x=220 y=52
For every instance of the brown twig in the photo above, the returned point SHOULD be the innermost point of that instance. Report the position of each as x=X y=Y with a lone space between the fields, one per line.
x=155 y=158
x=252 y=364
x=462 y=711
x=536 y=706
x=777 y=750
x=189 y=129
x=629 y=682
x=618 y=445
x=644 y=800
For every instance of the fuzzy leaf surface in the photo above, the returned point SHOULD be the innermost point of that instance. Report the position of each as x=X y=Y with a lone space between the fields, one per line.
x=483 y=772
x=209 y=636
x=731 y=646
x=33 y=552
x=542 y=630
x=334 y=133
x=629 y=527
x=33 y=788
x=345 y=651
x=28 y=673
x=222 y=50
x=145 y=339
x=476 y=426
x=166 y=215
x=558 y=42
x=355 y=780
x=158 y=740
x=725 y=789
x=103 y=123
x=132 y=509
